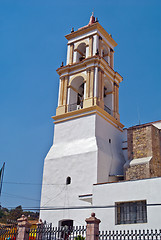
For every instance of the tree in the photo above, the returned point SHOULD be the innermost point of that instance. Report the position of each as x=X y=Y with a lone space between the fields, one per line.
x=16 y=213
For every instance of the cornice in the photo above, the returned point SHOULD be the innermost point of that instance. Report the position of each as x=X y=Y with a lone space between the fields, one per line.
x=87 y=29
x=88 y=111
x=95 y=61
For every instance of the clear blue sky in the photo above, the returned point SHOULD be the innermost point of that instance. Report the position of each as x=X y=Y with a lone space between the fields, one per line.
x=32 y=47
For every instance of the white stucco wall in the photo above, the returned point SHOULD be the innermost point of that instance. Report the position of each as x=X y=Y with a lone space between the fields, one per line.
x=108 y=194
x=81 y=151
x=73 y=154
x=157 y=124
x=112 y=161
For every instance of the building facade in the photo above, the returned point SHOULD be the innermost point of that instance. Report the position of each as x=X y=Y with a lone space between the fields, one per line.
x=92 y=160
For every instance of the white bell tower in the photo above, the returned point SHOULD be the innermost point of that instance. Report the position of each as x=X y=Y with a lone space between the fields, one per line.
x=87 y=146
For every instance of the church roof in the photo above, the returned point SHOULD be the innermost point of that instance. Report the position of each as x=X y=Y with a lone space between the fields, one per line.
x=92 y=25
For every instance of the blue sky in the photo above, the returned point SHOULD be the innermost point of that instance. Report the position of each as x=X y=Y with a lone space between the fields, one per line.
x=32 y=47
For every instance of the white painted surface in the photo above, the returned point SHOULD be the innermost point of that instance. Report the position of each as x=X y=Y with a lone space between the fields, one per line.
x=96 y=82
x=108 y=194
x=81 y=151
x=84 y=90
x=87 y=51
x=112 y=161
x=75 y=57
x=157 y=125
x=95 y=44
x=74 y=154
x=86 y=35
x=59 y=92
x=138 y=161
x=68 y=54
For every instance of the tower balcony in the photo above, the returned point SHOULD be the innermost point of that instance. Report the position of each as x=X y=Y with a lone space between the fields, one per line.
x=74 y=106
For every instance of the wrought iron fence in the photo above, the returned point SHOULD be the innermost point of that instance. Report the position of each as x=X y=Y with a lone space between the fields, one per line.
x=60 y=233
x=131 y=235
x=8 y=232
x=47 y=232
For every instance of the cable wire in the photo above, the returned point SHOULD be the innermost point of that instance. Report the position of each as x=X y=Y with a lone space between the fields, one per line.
x=25 y=183
x=80 y=207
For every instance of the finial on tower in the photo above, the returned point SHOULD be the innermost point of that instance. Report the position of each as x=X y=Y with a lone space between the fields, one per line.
x=92 y=19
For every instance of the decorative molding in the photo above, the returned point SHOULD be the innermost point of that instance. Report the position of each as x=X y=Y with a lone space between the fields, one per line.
x=91 y=110
x=90 y=28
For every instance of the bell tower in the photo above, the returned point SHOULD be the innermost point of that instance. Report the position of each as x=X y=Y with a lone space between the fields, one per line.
x=88 y=79
x=87 y=145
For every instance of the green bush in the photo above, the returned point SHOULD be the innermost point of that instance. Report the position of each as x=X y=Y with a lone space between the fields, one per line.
x=79 y=237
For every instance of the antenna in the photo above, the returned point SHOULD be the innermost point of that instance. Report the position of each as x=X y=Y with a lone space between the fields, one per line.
x=138 y=115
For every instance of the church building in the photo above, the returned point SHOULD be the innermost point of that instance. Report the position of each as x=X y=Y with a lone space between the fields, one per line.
x=95 y=164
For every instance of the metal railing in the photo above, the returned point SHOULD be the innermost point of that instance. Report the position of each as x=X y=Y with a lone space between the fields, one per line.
x=130 y=235
x=74 y=106
x=47 y=232
x=8 y=232
x=57 y=233
x=108 y=110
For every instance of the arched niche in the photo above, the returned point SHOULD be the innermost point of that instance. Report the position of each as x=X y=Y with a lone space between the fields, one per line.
x=108 y=96
x=68 y=180
x=76 y=93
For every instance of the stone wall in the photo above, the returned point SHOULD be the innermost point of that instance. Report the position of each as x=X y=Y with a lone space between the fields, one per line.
x=155 y=163
x=143 y=141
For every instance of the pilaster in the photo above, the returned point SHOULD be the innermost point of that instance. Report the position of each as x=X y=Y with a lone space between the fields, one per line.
x=90 y=46
x=111 y=58
x=92 y=228
x=71 y=53
x=100 y=88
x=23 y=228
x=88 y=101
x=116 y=102
x=62 y=96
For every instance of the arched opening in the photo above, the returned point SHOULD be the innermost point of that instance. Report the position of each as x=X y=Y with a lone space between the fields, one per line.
x=66 y=226
x=108 y=97
x=80 y=96
x=105 y=54
x=76 y=94
x=68 y=180
x=81 y=52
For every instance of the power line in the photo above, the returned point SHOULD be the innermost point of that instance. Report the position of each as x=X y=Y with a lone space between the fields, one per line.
x=20 y=197
x=25 y=183
x=79 y=207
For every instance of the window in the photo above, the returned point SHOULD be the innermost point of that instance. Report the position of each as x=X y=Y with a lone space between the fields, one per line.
x=68 y=180
x=131 y=212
